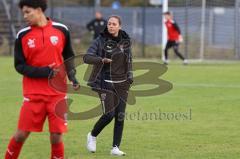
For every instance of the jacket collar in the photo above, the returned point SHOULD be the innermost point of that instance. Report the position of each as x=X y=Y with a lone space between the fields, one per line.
x=122 y=35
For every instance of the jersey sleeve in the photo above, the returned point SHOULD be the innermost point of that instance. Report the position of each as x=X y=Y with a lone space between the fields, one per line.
x=92 y=57
x=90 y=25
x=23 y=68
x=68 y=56
x=176 y=27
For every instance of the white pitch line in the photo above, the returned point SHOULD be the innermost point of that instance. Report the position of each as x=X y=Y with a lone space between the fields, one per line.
x=207 y=85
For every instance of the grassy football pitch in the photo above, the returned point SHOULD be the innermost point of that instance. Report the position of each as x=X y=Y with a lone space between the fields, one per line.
x=197 y=119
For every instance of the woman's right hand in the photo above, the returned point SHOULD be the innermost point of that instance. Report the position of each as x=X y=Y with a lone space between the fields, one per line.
x=106 y=60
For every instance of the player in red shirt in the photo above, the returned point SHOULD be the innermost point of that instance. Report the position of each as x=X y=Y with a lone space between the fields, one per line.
x=174 y=37
x=40 y=49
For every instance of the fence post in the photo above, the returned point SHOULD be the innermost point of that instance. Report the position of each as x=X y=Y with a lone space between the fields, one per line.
x=210 y=27
x=51 y=8
x=97 y=5
x=143 y=27
x=236 y=30
x=202 y=47
x=186 y=29
x=11 y=38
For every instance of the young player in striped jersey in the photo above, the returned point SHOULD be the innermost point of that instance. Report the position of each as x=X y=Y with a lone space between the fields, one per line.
x=39 y=49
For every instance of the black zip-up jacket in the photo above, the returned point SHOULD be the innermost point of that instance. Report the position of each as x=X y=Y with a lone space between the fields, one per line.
x=119 y=50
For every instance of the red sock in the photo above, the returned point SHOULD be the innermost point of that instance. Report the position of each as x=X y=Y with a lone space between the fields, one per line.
x=14 y=149
x=57 y=151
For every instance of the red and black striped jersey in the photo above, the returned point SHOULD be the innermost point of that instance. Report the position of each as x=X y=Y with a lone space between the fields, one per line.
x=35 y=49
x=173 y=30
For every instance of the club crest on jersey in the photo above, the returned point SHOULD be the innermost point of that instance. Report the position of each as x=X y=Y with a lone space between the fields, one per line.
x=54 y=40
x=31 y=43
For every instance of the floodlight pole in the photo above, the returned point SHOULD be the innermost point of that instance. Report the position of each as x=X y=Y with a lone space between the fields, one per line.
x=164 y=29
x=203 y=29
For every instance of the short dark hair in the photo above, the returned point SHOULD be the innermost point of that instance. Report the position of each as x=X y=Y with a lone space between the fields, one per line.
x=117 y=17
x=33 y=4
x=168 y=13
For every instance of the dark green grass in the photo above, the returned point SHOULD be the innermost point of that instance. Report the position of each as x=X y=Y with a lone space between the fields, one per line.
x=211 y=131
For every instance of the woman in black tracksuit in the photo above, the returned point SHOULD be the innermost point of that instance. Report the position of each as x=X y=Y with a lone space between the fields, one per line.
x=111 y=56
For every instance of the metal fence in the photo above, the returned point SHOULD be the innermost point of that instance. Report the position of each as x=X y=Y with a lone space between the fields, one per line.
x=211 y=30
